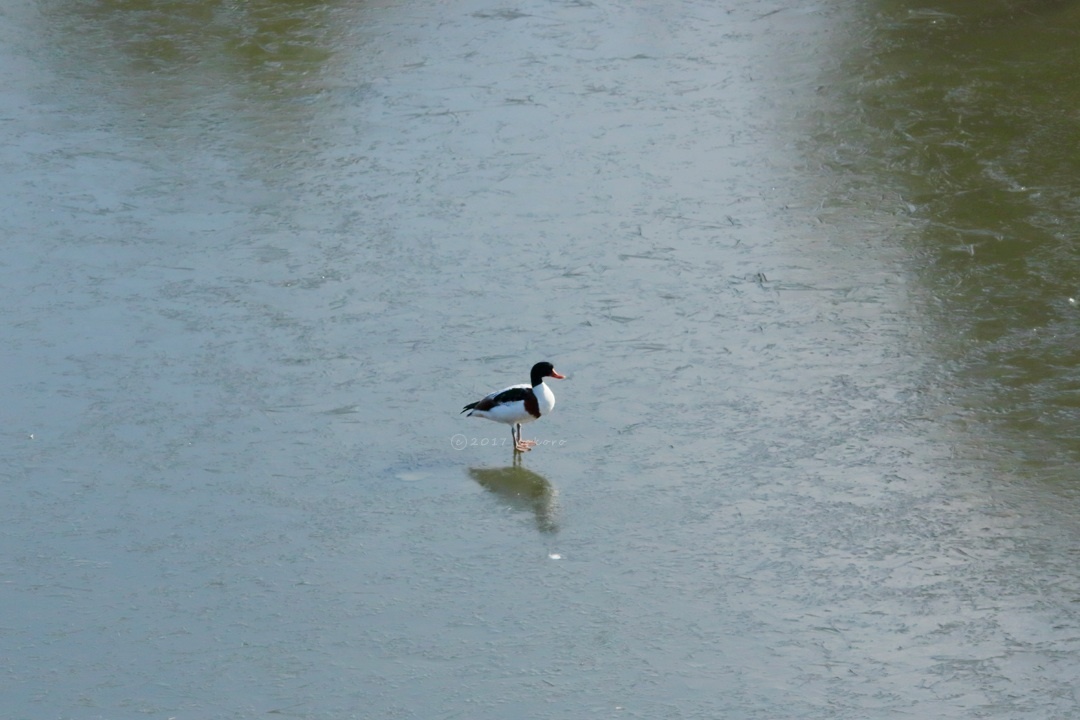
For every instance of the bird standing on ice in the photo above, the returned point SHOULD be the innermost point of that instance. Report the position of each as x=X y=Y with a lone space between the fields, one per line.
x=519 y=404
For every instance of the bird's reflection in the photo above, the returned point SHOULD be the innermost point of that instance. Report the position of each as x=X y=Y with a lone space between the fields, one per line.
x=521 y=489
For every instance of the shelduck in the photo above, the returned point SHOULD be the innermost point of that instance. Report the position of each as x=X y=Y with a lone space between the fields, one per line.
x=519 y=404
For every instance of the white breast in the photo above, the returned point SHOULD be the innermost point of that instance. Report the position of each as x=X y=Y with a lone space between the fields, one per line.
x=544 y=398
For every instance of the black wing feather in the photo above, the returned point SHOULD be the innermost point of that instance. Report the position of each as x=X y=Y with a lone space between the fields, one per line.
x=509 y=395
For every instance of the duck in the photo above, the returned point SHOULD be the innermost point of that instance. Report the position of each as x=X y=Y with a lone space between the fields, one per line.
x=519 y=404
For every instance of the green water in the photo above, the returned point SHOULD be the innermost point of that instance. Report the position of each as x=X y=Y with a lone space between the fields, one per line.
x=959 y=119
x=809 y=271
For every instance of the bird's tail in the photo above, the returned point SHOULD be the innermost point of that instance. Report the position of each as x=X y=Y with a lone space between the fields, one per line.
x=470 y=406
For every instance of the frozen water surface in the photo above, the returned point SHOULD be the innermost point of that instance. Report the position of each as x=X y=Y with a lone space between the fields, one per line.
x=808 y=268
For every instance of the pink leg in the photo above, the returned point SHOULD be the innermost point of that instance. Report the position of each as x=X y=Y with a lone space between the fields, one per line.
x=519 y=444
